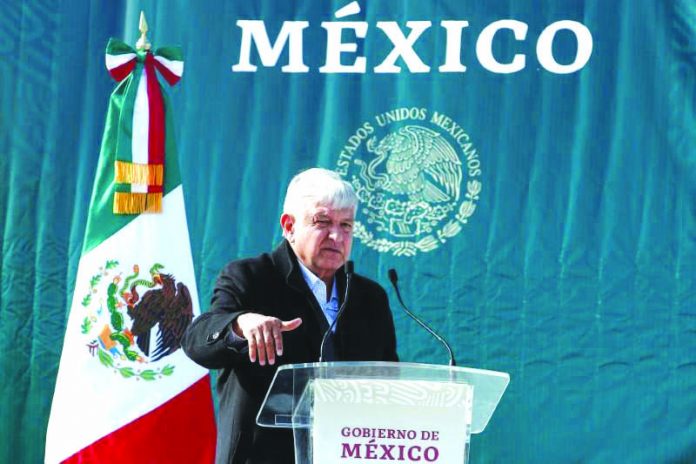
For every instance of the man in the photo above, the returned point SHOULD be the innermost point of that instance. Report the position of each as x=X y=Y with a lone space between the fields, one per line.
x=275 y=309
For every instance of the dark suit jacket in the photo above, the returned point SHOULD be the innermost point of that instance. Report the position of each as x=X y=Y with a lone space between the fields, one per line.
x=272 y=284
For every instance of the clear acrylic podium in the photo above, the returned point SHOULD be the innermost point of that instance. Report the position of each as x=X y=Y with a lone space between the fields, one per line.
x=359 y=396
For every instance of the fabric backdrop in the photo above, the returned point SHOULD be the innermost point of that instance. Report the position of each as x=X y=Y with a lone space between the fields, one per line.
x=576 y=273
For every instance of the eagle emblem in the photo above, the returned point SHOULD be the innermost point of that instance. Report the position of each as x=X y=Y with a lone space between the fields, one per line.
x=417 y=182
x=133 y=321
x=419 y=164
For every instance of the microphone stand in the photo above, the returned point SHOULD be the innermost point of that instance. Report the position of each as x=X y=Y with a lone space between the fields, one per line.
x=349 y=276
x=393 y=278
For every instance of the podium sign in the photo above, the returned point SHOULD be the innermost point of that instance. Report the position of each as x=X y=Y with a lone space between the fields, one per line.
x=394 y=420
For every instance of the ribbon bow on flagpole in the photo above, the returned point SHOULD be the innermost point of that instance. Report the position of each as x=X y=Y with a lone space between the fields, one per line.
x=121 y=59
x=140 y=138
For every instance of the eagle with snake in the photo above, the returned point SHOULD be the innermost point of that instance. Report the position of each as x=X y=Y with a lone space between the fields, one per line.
x=167 y=305
x=419 y=164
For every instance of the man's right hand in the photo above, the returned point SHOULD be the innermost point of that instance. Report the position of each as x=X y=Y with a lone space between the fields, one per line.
x=264 y=335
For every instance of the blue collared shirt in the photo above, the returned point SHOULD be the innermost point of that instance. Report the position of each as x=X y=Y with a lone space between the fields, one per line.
x=318 y=288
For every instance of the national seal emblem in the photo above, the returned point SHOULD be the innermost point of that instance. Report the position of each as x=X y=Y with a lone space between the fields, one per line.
x=418 y=180
x=132 y=323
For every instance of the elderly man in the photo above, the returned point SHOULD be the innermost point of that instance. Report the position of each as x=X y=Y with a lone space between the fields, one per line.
x=275 y=309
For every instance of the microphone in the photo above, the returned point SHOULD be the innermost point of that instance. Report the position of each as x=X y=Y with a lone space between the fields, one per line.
x=393 y=278
x=349 y=275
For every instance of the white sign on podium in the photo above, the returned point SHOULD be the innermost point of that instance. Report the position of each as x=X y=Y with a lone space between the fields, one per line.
x=393 y=420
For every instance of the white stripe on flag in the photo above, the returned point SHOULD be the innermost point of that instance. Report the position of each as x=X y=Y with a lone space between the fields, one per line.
x=141 y=126
x=114 y=61
x=177 y=67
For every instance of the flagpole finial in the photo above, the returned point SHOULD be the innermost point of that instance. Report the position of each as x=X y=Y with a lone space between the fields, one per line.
x=143 y=43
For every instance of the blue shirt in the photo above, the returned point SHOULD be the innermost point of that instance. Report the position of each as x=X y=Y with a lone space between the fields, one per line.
x=318 y=288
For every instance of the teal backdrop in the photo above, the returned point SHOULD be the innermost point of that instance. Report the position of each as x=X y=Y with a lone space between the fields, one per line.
x=576 y=273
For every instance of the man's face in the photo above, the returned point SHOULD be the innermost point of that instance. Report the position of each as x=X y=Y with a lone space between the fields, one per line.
x=321 y=238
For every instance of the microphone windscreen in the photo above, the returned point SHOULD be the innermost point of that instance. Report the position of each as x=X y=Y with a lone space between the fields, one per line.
x=392 y=276
x=349 y=267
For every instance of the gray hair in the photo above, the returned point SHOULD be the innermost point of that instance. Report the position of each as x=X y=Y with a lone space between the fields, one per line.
x=317 y=186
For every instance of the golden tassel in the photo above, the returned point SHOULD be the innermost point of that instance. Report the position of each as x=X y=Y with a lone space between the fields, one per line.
x=129 y=203
x=154 y=203
x=135 y=173
x=136 y=203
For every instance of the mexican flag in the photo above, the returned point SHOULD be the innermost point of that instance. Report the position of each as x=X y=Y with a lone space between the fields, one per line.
x=125 y=390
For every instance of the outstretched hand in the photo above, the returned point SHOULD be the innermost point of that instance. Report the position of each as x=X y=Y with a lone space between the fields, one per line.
x=264 y=335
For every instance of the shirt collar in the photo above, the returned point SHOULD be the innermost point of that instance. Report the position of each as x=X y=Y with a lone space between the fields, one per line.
x=317 y=286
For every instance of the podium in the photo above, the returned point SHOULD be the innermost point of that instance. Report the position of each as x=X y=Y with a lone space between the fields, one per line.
x=343 y=412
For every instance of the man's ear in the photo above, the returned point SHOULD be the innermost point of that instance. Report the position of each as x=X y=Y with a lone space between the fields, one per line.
x=287 y=223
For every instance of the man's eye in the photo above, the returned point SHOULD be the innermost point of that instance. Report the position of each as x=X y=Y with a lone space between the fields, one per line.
x=322 y=222
x=347 y=226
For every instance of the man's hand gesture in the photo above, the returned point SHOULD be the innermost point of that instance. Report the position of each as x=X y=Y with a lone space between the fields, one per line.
x=264 y=335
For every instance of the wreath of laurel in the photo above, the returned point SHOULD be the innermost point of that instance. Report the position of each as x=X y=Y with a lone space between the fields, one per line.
x=429 y=242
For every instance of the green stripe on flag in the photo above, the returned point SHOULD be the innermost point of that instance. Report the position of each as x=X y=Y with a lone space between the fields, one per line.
x=123 y=97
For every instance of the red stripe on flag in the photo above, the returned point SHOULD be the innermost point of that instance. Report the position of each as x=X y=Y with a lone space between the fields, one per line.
x=182 y=430
x=121 y=72
x=156 y=136
x=167 y=74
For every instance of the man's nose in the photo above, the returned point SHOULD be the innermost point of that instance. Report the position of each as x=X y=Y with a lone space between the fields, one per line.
x=336 y=234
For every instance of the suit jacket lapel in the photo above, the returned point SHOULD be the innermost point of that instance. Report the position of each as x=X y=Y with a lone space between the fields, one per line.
x=314 y=322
